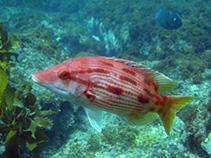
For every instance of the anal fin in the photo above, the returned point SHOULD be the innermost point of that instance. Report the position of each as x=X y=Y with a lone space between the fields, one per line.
x=95 y=117
x=139 y=119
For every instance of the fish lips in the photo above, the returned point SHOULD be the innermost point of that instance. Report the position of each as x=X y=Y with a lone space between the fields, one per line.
x=52 y=88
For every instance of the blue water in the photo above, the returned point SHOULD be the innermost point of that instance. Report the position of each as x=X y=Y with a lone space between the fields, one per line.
x=53 y=31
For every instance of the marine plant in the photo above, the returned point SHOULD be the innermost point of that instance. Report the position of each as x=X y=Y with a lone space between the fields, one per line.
x=5 y=43
x=20 y=115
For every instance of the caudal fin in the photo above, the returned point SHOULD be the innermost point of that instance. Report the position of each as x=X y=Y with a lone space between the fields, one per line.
x=173 y=105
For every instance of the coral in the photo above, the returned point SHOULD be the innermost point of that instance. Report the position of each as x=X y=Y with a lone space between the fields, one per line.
x=206 y=144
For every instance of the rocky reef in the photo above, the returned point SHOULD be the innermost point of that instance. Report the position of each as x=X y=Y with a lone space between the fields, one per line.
x=40 y=34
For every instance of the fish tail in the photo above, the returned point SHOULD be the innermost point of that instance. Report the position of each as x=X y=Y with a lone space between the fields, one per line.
x=173 y=105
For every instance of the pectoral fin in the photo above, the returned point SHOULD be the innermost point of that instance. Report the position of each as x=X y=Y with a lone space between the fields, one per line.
x=92 y=96
x=139 y=119
x=95 y=117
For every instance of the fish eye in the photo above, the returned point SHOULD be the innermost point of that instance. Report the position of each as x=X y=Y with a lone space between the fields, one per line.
x=63 y=74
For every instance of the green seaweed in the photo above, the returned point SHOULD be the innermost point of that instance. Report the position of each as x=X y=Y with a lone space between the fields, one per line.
x=7 y=44
x=3 y=81
x=22 y=121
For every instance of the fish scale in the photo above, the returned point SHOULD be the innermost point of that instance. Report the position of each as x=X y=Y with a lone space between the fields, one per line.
x=125 y=88
x=122 y=97
x=128 y=90
x=117 y=82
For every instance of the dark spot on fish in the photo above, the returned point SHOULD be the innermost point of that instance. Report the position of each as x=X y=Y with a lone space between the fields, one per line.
x=115 y=90
x=148 y=92
x=142 y=100
x=129 y=71
x=160 y=111
x=108 y=64
x=128 y=80
x=164 y=113
x=147 y=82
x=152 y=109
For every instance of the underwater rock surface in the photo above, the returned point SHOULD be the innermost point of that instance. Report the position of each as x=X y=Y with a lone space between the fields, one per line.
x=51 y=32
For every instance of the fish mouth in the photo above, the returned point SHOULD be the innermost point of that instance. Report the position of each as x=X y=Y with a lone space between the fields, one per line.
x=35 y=79
x=52 y=88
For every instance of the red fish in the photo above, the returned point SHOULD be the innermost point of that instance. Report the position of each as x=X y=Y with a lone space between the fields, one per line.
x=125 y=88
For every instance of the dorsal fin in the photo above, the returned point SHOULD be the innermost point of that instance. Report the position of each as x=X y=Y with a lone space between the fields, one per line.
x=165 y=84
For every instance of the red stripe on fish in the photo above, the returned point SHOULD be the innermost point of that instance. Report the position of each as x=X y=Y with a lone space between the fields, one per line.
x=98 y=70
x=104 y=84
x=106 y=93
x=127 y=97
x=78 y=80
x=112 y=104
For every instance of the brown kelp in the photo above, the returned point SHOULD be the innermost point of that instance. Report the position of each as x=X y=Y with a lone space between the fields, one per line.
x=22 y=120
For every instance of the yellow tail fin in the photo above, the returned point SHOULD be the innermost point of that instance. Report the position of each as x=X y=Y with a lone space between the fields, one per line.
x=174 y=104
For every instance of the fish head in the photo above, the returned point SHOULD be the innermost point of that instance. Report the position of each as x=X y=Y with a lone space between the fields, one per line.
x=62 y=80
x=176 y=21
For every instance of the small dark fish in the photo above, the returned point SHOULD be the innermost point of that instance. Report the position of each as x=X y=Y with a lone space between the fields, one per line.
x=168 y=19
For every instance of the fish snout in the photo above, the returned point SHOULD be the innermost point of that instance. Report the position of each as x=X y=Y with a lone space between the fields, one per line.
x=35 y=79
